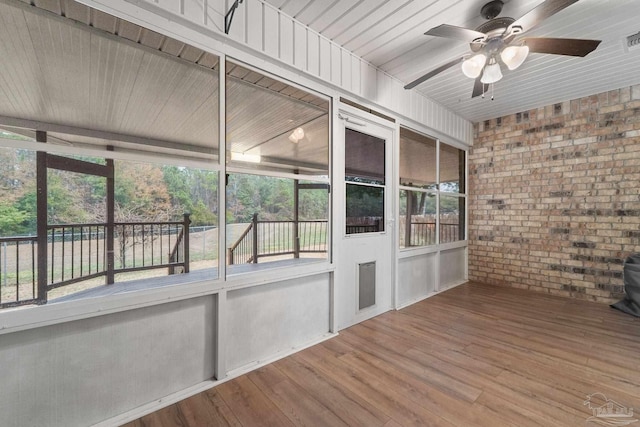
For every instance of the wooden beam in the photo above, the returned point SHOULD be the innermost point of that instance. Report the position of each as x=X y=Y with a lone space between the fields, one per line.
x=78 y=166
x=41 y=217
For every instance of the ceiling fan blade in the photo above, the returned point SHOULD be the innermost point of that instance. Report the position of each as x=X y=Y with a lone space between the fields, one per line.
x=458 y=33
x=570 y=47
x=478 y=87
x=433 y=73
x=540 y=13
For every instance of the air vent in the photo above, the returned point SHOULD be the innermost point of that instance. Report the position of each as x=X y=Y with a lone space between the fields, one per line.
x=366 y=284
x=633 y=42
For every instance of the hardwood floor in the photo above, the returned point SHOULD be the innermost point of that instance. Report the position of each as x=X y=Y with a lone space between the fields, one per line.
x=476 y=355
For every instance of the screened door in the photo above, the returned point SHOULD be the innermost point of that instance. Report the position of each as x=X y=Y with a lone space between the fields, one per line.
x=364 y=277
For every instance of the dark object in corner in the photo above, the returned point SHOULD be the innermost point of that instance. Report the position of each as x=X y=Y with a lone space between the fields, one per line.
x=631 y=302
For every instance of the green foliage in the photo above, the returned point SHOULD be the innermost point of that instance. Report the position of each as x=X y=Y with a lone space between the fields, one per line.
x=64 y=199
x=27 y=203
x=272 y=199
x=12 y=220
x=193 y=191
x=451 y=204
x=144 y=192
x=364 y=201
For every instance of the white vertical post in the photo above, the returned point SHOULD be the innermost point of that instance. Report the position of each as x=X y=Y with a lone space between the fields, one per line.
x=221 y=298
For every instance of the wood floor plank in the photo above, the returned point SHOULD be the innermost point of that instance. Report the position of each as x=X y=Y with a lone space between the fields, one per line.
x=295 y=402
x=392 y=402
x=435 y=377
x=199 y=410
x=250 y=405
x=217 y=409
x=351 y=409
x=476 y=355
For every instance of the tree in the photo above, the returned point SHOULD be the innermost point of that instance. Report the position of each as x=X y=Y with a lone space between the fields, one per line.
x=193 y=191
x=12 y=220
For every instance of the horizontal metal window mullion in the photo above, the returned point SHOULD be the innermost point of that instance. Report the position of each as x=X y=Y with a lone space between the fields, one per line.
x=366 y=184
x=418 y=190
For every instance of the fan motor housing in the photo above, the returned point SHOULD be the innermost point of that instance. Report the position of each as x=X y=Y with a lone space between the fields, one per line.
x=491 y=9
x=496 y=24
x=494 y=29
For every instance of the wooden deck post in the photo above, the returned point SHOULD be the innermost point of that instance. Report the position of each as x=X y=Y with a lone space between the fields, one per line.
x=462 y=167
x=185 y=240
x=110 y=249
x=296 y=218
x=230 y=255
x=254 y=221
x=41 y=203
x=407 y=221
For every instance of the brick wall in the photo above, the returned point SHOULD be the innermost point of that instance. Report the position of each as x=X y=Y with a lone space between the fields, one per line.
x=555 y=196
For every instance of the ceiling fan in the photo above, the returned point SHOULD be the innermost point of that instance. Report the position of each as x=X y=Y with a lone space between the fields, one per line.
x=498 y=41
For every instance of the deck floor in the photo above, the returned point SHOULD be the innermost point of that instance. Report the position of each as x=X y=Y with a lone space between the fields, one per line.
x=178 y=279
x=475 y=355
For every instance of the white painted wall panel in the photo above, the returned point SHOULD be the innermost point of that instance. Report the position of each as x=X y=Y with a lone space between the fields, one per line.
x=286 y=39
x=83 y=372
x=369 y=82
x=255 y=35
x=384 y=88
x=313 y=53
x=345 y=69
x=416 y=277
x=194 y=10
x=452 y=267
x=399 y=97
x=215 y=11
x=417 y=106
x=271 y=32
x=300 y=46
x=356 y=75
x=270 y=319
x=325 y=59
x=169 y=5
x=336 y=64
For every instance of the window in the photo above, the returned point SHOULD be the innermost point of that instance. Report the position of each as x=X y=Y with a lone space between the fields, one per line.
x=452 y=198
x=128 y=152
x=417 y=218
x=432 y=206
x=417 y=160
x=164 y=221
x=418 y=185
x=274 y=219
x=278 y=161
x=452 y=222
x=452 y=169
x=365 y=177
x=273 y=126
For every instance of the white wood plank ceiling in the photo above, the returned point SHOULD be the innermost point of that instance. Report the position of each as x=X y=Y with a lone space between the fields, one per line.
x=390 y=35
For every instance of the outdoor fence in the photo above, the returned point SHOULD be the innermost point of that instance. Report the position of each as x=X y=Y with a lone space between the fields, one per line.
x=364 y=224
x=79 y=252
x=272 y=238
x=423 y=231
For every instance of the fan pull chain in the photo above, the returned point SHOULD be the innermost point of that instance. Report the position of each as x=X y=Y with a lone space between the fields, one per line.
x=492 y=85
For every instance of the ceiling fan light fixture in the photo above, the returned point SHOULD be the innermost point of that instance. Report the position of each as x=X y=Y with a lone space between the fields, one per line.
x=514 y=56
x=492 y=73
x=472 y=67
x=296 y=135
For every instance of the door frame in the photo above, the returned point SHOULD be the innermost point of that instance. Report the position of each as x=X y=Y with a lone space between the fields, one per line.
x=348 y=117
